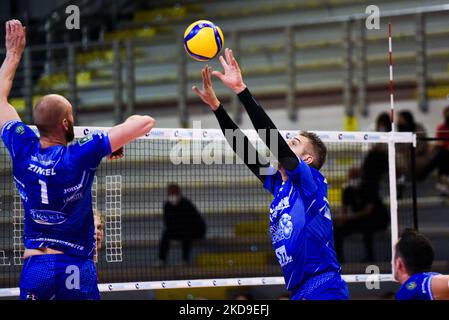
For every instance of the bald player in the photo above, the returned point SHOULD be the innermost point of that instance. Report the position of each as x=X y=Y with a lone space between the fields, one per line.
x=54 y=180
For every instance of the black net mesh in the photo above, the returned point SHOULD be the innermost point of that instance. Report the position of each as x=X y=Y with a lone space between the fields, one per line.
x=130 y=195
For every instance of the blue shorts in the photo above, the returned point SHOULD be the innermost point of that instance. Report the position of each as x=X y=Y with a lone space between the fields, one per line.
x=58 y=277
x=323 y=287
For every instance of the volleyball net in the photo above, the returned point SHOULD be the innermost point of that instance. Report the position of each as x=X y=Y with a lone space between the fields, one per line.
x=236 y=249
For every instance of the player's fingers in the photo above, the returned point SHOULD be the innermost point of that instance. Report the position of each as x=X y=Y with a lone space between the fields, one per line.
x=204 y=76
x=228 y=55
x=218 y=74
x=196 y=90
x=233 y=60
x=208 y=76
x=223 y=63
x=14 y=26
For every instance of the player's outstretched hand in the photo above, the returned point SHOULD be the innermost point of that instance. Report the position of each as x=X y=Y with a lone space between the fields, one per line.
x=15 y=37
x=232 y=76
x=117 y=154
x=207 y=93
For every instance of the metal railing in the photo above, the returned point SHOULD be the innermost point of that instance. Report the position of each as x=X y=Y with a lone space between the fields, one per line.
x=64 y=59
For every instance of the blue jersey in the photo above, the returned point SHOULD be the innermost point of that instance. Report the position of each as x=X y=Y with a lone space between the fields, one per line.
x=55 y=187
x=301 y=231
x=417 y=287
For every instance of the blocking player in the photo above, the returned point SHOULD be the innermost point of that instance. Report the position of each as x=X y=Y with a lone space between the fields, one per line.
x=300 y=219
x=54 y=180
x=412 y=264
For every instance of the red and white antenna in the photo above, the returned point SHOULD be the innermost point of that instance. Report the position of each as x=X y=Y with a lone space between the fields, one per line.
x=390 y=61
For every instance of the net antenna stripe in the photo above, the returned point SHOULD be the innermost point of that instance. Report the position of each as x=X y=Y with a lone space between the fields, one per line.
x=390 y=62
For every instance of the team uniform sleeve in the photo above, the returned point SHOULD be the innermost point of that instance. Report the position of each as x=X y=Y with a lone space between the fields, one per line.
x=302 y=177
x=272 y=180
x=17 y=137
x=91 y=149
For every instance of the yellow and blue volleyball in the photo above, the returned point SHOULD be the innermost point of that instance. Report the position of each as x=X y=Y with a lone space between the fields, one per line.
x=203 y=40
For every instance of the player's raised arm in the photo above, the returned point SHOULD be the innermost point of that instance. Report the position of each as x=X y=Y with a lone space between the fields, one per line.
x=232 y=78
x=133 y=128
x=231 y=131
x=15 y=44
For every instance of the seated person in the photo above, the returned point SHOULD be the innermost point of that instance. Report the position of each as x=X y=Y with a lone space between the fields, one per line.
x=182 y=222
x=362 y=208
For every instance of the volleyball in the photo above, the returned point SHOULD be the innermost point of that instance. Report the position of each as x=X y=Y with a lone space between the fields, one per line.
x=203 y=40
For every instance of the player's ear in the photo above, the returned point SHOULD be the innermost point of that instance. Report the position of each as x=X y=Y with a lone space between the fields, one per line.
x=65 y=123
x=400 y=265
x=308 y=158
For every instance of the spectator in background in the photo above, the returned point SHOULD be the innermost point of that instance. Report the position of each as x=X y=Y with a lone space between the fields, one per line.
x=182 y=222
x=428 y=157
x=362 y=208
x=443 y=130
x=383 y=122
x=407 y=123
x=442 y=158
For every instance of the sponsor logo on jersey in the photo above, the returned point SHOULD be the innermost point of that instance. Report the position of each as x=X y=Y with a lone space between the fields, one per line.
x=411 y=286
x=286 y=225
x=85 y=139
x=20 y=129
x=282 y=230
x=48 y=217
x=44 y=172
x=74 y=197
x=10 y=124
x=43 y=160
x=74 y=188
x=282 y=256
x=284 y=203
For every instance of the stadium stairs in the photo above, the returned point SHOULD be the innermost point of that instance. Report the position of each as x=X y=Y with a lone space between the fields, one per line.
x=319 y=58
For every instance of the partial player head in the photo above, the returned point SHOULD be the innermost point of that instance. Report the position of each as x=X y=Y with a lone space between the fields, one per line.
x=53 y=117
x=413 y=254
x=99 y=229
x=310 y=148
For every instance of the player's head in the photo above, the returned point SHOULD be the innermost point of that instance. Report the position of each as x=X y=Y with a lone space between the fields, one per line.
x=414 y=254
x=310 y=148
x=53 y=117
x=383 y=122
x=173 y=193
x=99 y=229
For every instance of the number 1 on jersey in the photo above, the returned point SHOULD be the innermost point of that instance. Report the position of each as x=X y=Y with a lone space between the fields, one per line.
x=44 y=194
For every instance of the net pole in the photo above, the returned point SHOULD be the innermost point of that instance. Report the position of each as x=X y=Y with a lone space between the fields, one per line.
x=392 y=157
